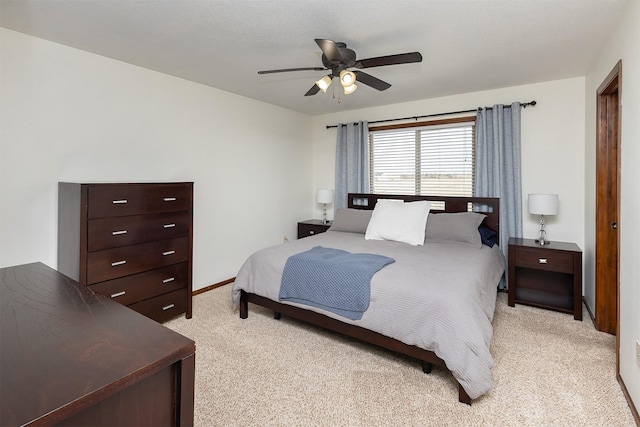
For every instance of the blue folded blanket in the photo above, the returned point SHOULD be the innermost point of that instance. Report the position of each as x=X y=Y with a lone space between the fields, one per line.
x=331 y=279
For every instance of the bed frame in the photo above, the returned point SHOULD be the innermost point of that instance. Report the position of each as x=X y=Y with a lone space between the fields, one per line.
x=485 y=205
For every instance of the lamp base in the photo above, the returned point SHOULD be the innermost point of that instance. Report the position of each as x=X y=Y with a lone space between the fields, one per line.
x=542 y=238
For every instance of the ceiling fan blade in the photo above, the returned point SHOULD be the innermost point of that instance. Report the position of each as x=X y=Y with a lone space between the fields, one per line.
x=314 y=89
x=285 y=70
x=330 y=49
x=369 y=80
x=401 y=58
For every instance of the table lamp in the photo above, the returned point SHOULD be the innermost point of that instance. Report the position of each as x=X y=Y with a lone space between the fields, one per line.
x=543 y=204
x=325 y=197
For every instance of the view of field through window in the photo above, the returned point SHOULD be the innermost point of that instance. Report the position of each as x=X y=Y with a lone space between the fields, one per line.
x=426 y=160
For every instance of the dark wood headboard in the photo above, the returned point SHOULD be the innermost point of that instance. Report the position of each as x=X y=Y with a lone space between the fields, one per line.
x=489 y=206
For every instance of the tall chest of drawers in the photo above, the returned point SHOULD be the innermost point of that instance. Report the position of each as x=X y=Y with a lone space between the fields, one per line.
x=132 y=242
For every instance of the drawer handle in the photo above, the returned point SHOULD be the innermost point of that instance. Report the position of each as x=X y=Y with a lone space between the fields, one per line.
x=169 y=225
x=170 y=279
x=312 y=232
x=167 y=307
x=542 y=260
x=117 y=263
x=118 y=294
x=120 y=202
x=168 y=253
x=119 y=232
x=169 y=199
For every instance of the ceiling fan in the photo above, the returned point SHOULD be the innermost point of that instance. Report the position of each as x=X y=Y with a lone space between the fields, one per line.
x=338 y=58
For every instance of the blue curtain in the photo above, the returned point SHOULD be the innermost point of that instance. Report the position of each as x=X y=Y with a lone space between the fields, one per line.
x=352 y=161
x=498 y=166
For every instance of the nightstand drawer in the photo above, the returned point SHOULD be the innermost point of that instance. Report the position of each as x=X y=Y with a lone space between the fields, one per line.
x=311 y=228
x=544 y=260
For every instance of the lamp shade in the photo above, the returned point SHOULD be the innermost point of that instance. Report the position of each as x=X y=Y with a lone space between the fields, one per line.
x=324 y=196
x=350 y=89
x=543 y=204
x=347 y=78
x=324 y=83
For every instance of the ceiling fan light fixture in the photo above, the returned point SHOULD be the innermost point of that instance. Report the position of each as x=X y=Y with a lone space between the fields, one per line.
x=350 y=89
x=324 y=83
x=347 y=78
x=338 y=58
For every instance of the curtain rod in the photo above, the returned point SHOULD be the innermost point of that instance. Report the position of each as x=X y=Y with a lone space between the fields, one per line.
x=523 y=105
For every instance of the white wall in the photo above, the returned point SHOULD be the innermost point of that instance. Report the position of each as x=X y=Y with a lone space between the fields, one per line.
x=552 y=145
x=69 y=115
x=623 y=44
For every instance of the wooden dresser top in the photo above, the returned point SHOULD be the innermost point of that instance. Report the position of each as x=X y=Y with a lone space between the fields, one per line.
x=63 y=347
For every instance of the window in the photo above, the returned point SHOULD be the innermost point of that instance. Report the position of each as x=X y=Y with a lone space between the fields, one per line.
x=429 y=158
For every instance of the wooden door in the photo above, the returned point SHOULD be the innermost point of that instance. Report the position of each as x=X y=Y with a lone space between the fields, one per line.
x=608 y=202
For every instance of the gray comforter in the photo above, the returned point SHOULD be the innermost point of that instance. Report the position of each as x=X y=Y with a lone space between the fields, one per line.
x=439 y=297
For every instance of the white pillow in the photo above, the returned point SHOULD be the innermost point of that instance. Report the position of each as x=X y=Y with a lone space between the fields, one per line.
x=400 y=222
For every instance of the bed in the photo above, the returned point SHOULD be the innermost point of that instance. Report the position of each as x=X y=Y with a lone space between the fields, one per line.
x=434 y=303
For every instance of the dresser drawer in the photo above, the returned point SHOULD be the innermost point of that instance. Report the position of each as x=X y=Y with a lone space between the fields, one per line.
x=106 y=200
x=544 y=260
x=106 y=233
x=113 y=263
x=163 y=307
x=137 y=287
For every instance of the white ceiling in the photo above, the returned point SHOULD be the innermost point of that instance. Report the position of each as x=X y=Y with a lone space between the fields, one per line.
x=467 y=45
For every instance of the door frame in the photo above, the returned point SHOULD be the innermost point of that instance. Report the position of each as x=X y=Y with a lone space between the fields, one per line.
x=608 y=131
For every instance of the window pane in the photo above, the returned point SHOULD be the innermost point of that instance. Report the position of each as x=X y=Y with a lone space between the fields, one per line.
x=447 y=161
x=393 y=164
x=425 y=160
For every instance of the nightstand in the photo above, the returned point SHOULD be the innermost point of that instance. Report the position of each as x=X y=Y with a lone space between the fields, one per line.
x=547 y=276
x=312 y=227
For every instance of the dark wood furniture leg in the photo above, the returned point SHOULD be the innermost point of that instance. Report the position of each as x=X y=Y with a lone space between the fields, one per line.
x=244 y=305
x=186 y=375
x=463 y=397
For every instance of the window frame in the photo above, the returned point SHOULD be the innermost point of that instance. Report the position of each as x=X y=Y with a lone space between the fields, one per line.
x=439 y=122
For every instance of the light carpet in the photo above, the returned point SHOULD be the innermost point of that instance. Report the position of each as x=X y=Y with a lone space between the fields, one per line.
x=549 y=370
